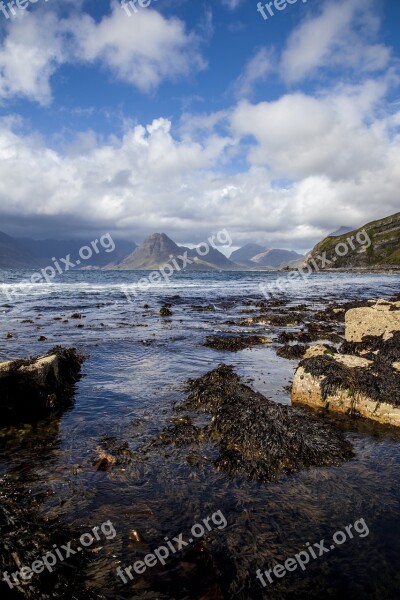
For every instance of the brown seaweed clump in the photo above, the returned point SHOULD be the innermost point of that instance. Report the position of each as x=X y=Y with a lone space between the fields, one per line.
x=378 y=381
x=254 y=435
x=232 y=343
x=292 y=351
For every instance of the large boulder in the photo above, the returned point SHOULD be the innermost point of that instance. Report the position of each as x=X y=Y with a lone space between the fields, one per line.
x=362 y=380
x=380 y=319
x=35 y=386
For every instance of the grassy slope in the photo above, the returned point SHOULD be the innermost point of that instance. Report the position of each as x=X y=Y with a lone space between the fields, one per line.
x=384 y=250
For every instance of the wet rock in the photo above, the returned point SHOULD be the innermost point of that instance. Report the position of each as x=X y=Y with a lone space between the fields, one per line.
x=104 y=460
x=136 y=536
x=112 y=452
x=76 y=316
x=42 y=338
x=363 y=383
x=254 y=435
x=9 y=336
x=234 y=343
x=199 y=308
x=380 y=319
x=165 y=312
x=319 y=349
x=29 y=388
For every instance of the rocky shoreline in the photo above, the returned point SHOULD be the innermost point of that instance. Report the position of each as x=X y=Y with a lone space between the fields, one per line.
x=223 y=422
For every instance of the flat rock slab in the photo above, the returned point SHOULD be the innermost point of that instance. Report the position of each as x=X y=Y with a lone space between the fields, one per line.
x=32 y=387
x=381 y=319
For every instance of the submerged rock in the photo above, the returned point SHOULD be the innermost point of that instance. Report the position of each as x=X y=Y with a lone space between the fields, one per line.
x=254 y=435
x=30 y=388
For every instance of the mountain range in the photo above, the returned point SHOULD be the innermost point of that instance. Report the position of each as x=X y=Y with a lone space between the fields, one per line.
x=156 y=250
x=254 y=255
x=24 y=253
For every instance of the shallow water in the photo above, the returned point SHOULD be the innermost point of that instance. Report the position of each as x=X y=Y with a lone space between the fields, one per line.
x=137 y=363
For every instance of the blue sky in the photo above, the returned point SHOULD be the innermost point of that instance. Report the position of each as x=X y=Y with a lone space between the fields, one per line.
x=189 y=117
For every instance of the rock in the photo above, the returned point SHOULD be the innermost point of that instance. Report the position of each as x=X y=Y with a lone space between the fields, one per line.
x=353 y=384
x=42 y=338
x=317 y=350
x=104 y=460
x=76 y=316
x=136 y=536
x=30 y=388
x=380 y=319
x=165 y=312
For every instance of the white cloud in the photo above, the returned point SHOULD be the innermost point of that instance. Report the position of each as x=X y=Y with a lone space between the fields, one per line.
x=29 y=55
x=255 y=71
x=341 y=35
x=232 y=4
x=143 y=51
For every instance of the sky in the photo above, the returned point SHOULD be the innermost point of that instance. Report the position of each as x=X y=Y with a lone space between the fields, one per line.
x=189 y=117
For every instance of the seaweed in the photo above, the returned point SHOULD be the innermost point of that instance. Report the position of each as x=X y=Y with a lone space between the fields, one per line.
x=234 y=343
x=292 y=352
x=379 y=381
x=254 y=435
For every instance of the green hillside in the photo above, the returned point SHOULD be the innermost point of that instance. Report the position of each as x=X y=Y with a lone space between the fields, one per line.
x=375 y=245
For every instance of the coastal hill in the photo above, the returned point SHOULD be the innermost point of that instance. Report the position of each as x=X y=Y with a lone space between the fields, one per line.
x=376 y=245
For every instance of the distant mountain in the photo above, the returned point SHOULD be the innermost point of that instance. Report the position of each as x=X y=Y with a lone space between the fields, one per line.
x=341 y=231
x=14 y=254
x=255 y=256
x=243 y=255
x=376 y=245
x=154 y=251
x=20 y=253
x=276 y=258
x=158 y=249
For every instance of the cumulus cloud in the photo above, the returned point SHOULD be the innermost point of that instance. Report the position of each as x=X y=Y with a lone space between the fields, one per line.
x=31 y=52
x=284 y=171
x=143 y=52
